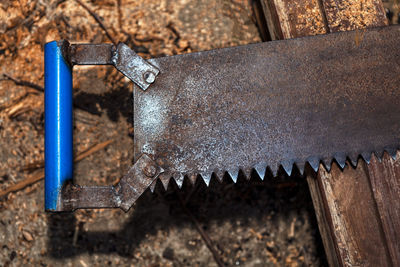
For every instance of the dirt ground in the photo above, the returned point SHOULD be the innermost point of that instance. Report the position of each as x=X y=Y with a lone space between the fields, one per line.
x=251 y=223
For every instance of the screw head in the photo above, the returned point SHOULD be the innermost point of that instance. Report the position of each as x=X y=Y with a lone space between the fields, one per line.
x=150 y=170
x=149 y=77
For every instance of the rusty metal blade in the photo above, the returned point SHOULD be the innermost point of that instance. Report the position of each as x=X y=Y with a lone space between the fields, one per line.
x=282 y=102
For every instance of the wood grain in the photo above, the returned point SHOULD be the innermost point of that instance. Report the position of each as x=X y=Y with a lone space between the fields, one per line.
x=385 y=182
x=292 y=19
x=353 y=216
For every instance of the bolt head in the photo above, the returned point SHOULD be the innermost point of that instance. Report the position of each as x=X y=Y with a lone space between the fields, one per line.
x=150 y=170
x=149 y=77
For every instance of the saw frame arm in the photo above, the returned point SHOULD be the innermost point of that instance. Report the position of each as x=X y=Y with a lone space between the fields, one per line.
x=60 y=192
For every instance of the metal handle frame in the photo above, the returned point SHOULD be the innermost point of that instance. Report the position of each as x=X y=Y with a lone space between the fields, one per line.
x=60 y=192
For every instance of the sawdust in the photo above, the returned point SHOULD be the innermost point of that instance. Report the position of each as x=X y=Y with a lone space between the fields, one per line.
x=303 y=19
x=344 y=15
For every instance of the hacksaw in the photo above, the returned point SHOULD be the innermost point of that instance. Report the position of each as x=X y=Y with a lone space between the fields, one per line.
x=311 y=100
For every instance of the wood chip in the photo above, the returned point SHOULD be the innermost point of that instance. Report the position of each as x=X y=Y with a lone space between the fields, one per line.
x=28 y=237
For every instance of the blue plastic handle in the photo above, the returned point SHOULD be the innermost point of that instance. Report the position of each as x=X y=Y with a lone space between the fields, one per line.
x=58 y=124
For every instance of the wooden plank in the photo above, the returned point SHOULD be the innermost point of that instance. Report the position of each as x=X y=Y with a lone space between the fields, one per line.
x=292 y=19
x=324 y=220
x=347 y=209
x=385 y=182
x=258 y=14
x=353 y=216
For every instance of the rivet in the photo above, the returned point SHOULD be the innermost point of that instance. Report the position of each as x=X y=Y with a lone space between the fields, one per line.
x=150 y=170
x=149 y=77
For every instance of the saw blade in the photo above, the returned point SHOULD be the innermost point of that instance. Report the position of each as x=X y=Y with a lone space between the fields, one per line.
x=281 y=103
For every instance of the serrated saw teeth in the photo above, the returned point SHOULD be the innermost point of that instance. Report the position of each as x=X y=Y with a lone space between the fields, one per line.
x=152 y=187
x=366 y=156
x=340 y=159
x=396 y=155
x=392 y=152
x=327 y=163
x=220 y=175
x=314 y=163
x=287 y=165
x=300 y=166
x=378 y=155
x=261 y=169
x=274 y=169
x=234 y=173
x=179 y=177
x=165 y=181
x=353 y=158
x=206 y=177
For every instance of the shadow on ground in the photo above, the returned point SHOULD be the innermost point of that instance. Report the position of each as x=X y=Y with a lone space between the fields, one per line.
x=221 y=203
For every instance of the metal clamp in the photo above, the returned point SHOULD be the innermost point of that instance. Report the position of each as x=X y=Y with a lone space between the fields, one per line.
x=123 y=195
x=121 y=57
x=60 y=193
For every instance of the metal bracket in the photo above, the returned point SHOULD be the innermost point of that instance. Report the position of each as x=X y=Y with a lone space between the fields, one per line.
x=124 y=59
x=123 y=195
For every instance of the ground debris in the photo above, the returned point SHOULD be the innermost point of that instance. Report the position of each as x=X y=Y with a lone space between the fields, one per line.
x=28 y=236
